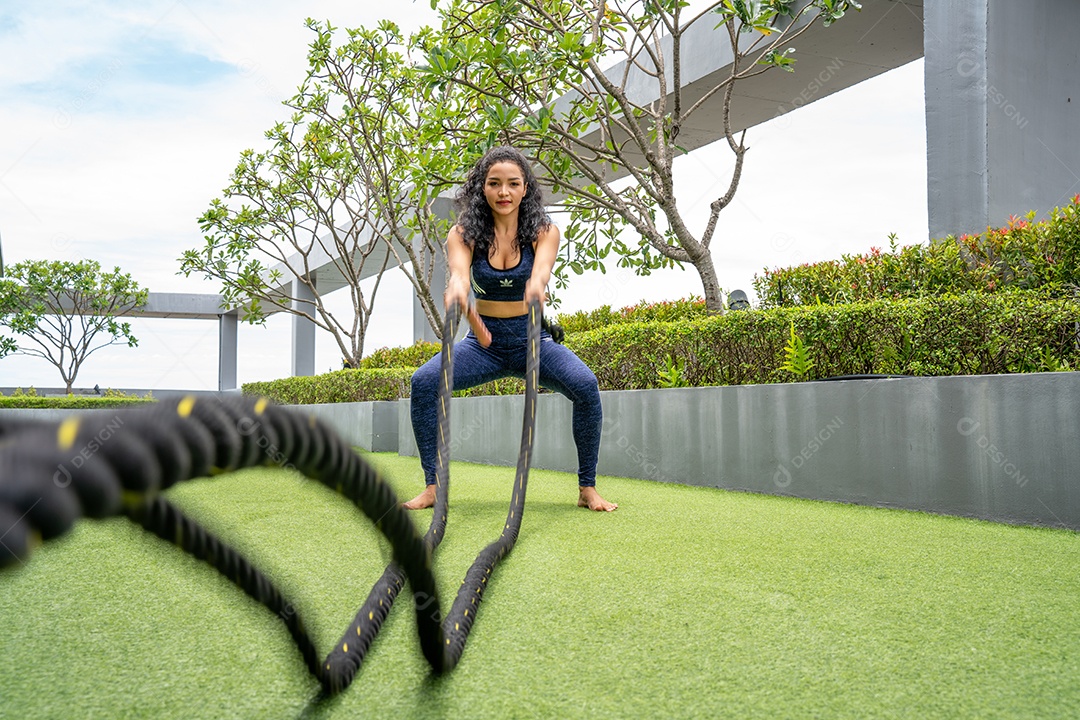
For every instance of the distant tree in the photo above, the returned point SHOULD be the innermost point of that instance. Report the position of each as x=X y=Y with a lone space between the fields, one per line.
x=593 y=90
x=64 y=311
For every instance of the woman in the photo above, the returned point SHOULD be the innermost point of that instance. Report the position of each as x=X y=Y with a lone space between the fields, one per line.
x=504 y=246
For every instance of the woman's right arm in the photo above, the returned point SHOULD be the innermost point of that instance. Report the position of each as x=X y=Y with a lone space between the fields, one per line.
x=459 y=260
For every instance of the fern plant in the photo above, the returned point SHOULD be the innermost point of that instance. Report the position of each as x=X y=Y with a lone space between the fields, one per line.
x=672 y=376
x=797 y=356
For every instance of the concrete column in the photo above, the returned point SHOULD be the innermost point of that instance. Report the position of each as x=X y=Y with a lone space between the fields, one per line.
x=421 y=328
x=1002 y=112
x=227 y=351
x=303 y=330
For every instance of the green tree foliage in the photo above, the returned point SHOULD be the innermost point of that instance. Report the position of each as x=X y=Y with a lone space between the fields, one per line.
x=64 y=311
x=347 y=180
x=573 y=82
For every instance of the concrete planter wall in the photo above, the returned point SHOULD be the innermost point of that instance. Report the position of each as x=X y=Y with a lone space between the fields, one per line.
x=372 y=426
x=999 y=447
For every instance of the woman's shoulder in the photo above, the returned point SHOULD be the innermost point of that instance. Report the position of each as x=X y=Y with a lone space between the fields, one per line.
x=548 y=233
x=457 y=234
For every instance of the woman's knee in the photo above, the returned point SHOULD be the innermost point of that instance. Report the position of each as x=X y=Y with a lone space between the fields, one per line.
x=584 y=385
x=425 y=382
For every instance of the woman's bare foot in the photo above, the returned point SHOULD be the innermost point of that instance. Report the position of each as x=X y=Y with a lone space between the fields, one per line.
x=588 y=497
x=425 y=499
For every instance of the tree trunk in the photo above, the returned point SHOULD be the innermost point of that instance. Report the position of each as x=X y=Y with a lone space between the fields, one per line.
x=714 y=298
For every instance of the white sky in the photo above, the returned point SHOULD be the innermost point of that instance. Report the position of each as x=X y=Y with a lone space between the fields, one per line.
x=122 y=120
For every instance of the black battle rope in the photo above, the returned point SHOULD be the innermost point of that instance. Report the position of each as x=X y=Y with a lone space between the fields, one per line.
x=345 y=659
x=115 y=464
x=462 y=615
x=110 y=464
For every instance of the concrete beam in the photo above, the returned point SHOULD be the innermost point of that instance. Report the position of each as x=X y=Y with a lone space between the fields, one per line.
x=885 y=35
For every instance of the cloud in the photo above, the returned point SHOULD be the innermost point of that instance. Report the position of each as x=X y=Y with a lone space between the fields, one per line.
x=132 y=79
x=9 y=24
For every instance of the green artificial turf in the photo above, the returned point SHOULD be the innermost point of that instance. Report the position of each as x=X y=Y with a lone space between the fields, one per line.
x=686 y=602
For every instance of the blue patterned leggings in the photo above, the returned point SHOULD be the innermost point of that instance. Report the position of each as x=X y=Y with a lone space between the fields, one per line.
x=560 y=370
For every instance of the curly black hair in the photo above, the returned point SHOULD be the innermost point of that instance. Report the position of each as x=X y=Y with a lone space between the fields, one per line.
x=474 y=214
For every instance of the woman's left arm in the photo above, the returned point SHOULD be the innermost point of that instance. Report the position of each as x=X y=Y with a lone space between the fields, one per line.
x=547 y=248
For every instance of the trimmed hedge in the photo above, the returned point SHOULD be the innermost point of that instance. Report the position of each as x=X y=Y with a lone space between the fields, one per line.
x=1023 y=255
x=72 y=402
x=361 y=386
x=337 y=386
x=971 y=334
x=690 y=308
x=412 y=356
x=967 y=334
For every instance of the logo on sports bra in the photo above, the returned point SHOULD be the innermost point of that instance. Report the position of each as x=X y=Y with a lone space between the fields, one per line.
x=506 y=282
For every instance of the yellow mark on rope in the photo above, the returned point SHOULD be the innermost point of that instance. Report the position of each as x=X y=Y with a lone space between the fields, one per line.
x=466 y=611
x=357 y=630
x=457 y=626
x=131 y=499
x=67 y=432
x=260 y=405
x=186 y=406
x=371 y=616
x=447 y=641
x=380 y=603
x=345 y=647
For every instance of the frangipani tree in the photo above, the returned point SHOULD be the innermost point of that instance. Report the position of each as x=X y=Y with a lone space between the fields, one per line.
x=593 y=91
x=62 y=311
x=344 y=185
